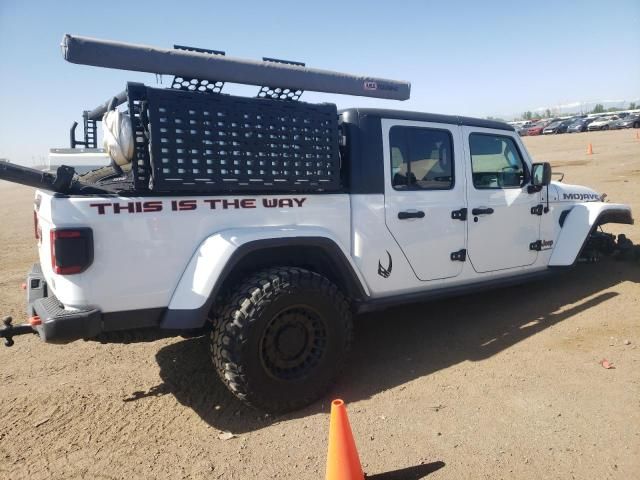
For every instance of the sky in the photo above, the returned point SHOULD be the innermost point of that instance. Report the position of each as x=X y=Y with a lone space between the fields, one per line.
x=489 y=58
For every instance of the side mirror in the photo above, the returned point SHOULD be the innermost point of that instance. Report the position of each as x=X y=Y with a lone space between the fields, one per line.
x=541 y=174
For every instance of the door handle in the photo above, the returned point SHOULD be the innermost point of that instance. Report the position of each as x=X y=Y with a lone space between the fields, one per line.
x=482 y=211
x=406 y=215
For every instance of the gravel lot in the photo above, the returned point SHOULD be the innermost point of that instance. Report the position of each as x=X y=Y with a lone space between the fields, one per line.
x=505 y=384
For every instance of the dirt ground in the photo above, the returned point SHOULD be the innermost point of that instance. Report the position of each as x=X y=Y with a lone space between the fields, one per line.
x=505 y=384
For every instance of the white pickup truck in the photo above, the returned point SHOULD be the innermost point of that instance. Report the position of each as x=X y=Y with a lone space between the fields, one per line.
x=415 y=206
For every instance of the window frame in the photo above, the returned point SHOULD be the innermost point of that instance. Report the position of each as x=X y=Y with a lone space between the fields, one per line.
x=413 y=188
x=525 y=166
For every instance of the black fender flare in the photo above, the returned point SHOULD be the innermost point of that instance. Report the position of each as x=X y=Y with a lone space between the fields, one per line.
x=618 y=215
x=196 y=318
x=610 y=215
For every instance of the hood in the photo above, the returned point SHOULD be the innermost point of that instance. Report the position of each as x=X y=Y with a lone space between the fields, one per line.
x=563 y=192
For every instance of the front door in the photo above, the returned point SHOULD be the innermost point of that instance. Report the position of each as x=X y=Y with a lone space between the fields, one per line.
x=501 y=226
x=424 y=183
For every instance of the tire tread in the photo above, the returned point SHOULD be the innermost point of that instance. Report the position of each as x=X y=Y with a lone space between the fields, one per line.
x=236 y=313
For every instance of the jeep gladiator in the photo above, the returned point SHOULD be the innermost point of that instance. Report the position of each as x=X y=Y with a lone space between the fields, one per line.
x=415 y=206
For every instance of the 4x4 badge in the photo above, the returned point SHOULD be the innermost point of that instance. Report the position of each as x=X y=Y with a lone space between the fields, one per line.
x=385 y=272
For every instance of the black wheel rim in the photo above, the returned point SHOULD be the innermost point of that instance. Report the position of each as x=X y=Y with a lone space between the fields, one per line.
x=293 y=343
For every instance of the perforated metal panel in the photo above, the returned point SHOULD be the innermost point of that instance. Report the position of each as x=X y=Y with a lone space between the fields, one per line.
x=280 y=93
x=197 y=84
x=141 y=164
x=90 y=133
x=194 y=84
x=222 y=143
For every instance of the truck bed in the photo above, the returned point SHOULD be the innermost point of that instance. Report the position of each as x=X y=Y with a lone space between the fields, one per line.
x=142 y=244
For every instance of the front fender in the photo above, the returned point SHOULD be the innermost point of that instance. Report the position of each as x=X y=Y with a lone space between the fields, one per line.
x=582 y=219
x=215 y=257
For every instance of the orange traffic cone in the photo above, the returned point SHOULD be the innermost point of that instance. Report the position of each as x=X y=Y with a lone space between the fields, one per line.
x=589 y=149
x=343 y=462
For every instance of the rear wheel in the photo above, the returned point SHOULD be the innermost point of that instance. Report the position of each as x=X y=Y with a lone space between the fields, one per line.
x=281 y=338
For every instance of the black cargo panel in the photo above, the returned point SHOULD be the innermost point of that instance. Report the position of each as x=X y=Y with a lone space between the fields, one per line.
x=199 y=142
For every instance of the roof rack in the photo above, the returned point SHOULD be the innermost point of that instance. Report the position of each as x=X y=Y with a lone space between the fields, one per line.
x=200 y=64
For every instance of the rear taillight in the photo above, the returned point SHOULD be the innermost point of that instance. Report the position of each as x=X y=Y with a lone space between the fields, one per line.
x=71 y=250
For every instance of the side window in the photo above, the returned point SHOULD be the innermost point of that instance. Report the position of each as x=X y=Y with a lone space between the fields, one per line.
x=496 y=162
x=421 y=158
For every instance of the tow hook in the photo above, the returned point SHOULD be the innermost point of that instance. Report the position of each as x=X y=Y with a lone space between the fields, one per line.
x=9 y=331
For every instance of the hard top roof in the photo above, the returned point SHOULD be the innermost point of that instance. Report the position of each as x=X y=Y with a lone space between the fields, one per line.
x=429 y=117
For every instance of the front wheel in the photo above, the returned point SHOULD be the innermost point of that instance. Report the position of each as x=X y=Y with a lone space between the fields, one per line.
x=280 y=340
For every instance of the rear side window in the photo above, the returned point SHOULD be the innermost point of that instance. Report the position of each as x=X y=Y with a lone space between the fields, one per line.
x=496 y=162
x=421 y=158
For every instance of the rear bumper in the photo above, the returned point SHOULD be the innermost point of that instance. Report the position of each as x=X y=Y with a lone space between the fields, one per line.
x=58 y=324
x=64 y=326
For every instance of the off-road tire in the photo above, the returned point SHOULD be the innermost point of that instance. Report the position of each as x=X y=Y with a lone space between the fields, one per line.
x=242 y=338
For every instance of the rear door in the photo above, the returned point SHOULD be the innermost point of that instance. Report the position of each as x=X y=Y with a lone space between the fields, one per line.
x=424 y=183
x=501 y=224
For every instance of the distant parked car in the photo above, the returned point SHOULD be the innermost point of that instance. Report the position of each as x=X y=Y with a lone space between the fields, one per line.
x=522 y=131
x=632 y=121
x=602 y=123
x=580 y=125
x=557 y=127
x=537 y=128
